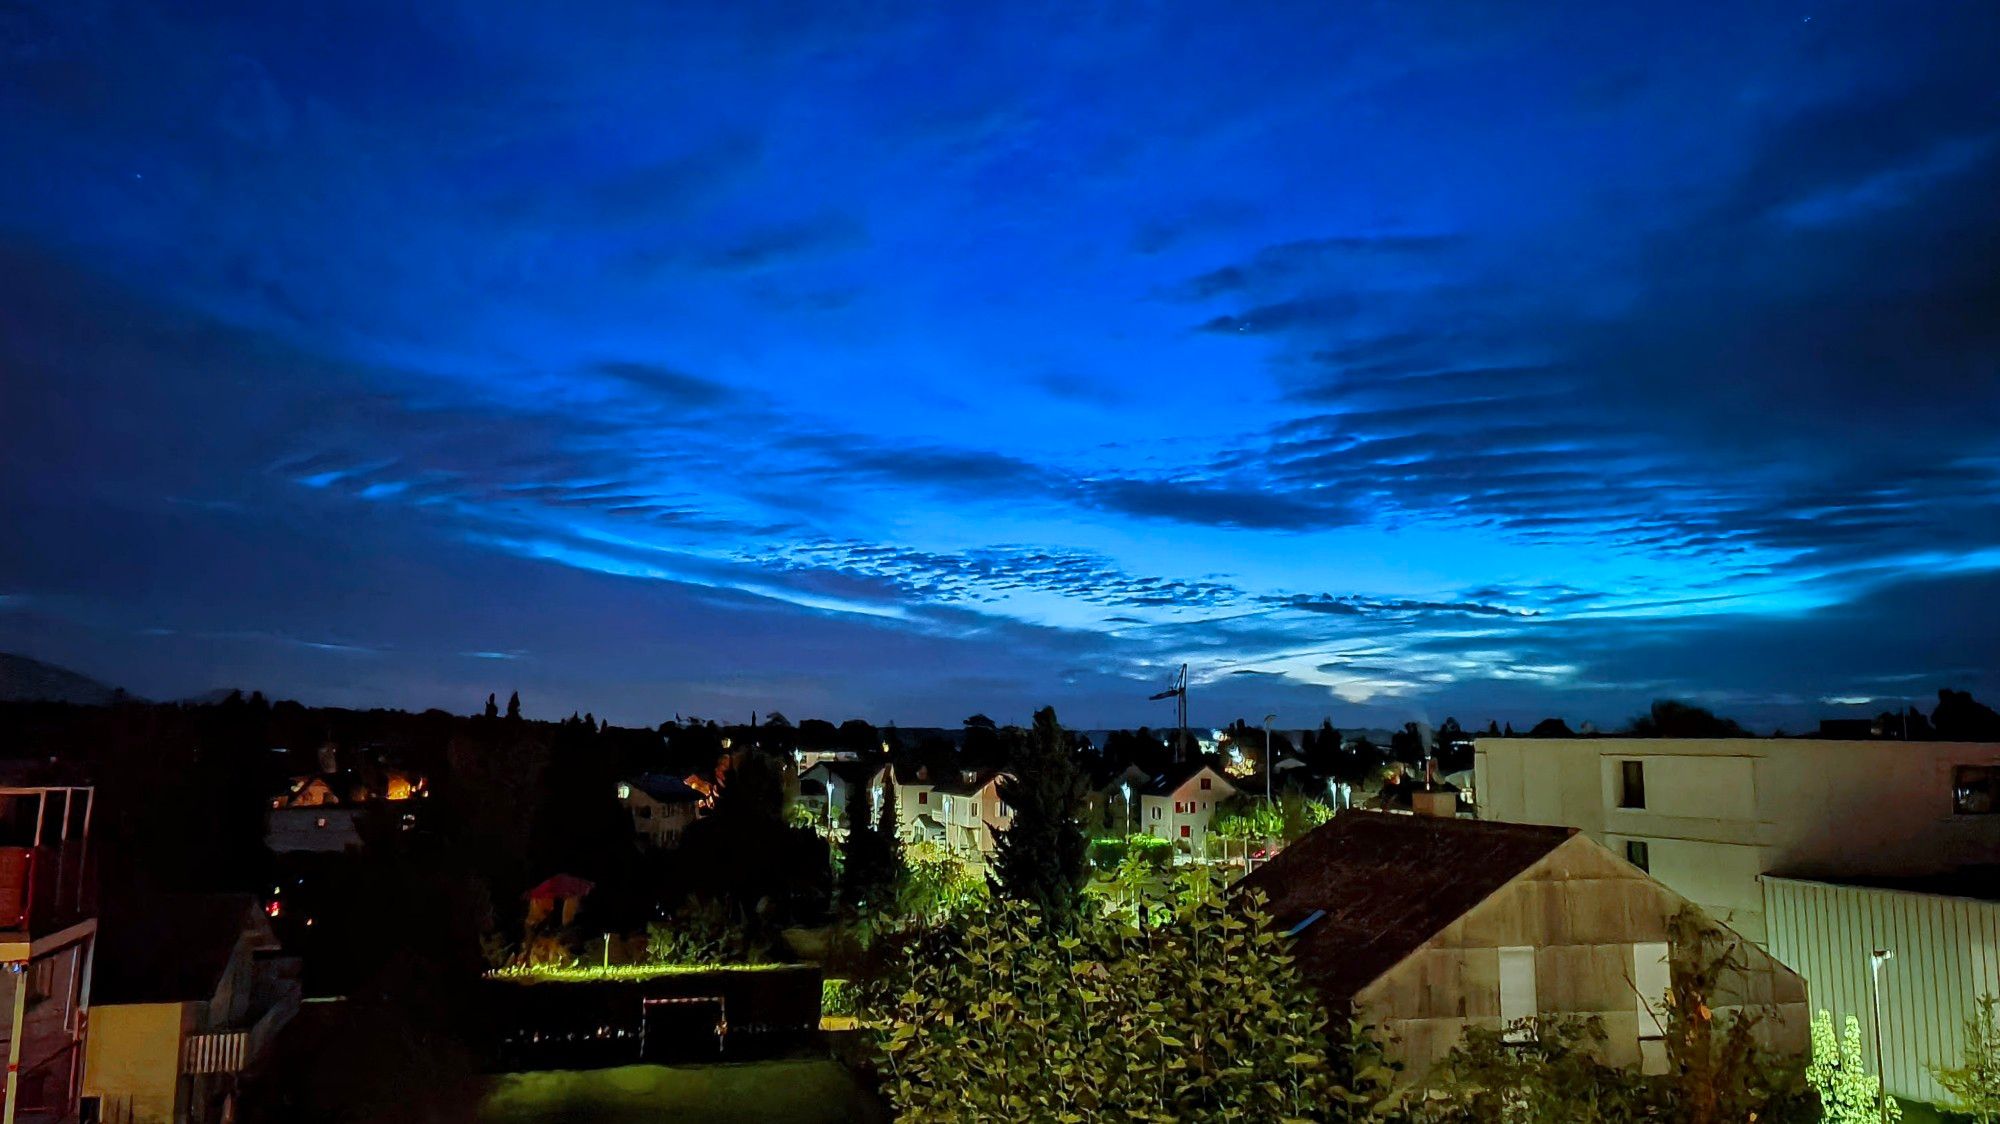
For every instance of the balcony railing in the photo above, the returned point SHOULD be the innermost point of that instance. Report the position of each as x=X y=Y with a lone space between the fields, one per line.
x=43 y=889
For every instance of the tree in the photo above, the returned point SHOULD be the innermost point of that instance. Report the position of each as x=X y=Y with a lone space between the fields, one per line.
x=1201 y=1018
x=1717 y=1072
x=1535 y=1072
x=1839 y=1074
x=1324 y=751
x=1975 y=1081
x=1551 y=728
x=514 y=707
x=1961 y=718
x=872 y=858
x=1041 y=856
x=1407 y=744
x=492 y=707
x=1671 y=718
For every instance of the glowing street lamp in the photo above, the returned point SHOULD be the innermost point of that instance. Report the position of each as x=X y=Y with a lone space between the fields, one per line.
x=1876 y=959
x=1126 y=788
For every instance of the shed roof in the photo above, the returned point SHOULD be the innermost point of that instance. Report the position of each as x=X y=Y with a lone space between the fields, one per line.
x=1384 y=884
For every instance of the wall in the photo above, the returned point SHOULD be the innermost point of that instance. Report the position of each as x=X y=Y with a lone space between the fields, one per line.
x=1947 y=953
x=299 y=829
x=1585 y=914
x=133 y=1060
x=1721 y=811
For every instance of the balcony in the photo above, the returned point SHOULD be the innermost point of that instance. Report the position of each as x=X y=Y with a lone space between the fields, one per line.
x=274 y=999
x=46 y=889
x=48 y=875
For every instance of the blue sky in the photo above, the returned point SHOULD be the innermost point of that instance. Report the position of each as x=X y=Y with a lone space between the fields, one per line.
x=1380 y=361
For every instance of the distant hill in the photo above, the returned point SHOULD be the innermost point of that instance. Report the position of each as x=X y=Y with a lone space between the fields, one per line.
x=26 y=680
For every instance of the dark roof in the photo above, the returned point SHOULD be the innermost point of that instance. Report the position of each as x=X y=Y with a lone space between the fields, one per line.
x=1167 y=782
x=1387 y=883
x=958 y=787
x=666 y=788
x=1979 y=883
x=851 y=773
x=169 y=949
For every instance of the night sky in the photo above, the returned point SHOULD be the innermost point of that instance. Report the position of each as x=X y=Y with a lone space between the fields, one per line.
x=1382 y=361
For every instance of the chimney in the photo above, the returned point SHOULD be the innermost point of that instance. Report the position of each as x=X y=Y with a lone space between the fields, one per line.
x=1439 y=802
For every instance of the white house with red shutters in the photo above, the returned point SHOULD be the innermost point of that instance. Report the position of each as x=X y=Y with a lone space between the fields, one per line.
x=1178 y=805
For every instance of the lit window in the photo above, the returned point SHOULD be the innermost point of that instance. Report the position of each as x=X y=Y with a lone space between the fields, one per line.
x=1638 y=854
x=1975 y=790
x=1631 y=784
x=320 y=822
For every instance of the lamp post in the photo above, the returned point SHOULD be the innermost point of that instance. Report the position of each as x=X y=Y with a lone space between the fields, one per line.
x=1126 y=788
x=1876 y=959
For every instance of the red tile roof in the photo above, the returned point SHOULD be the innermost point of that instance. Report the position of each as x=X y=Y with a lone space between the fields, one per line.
x=1387 y=883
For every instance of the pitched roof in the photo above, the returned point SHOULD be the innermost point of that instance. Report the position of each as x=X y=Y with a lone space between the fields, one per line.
x=666 y=788
x=957 y=786
x=1384 y=884
x=1167 y=782
x=560 y=886
x=172 y=948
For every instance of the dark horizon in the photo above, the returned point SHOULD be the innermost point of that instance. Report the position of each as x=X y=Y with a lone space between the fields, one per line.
x=1382 y=365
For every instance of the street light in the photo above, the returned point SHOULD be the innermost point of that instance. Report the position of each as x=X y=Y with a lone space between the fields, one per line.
x=1126 y=788
x=1876 y=959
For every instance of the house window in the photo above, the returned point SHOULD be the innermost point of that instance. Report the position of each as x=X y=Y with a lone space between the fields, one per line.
x=1184 y=831
x=1517 y=993
x=1637 y=854
x=1651 y=976
x=1177 y=807
x=923 y=797
x=1156 y=811
x=1631 y=784
x=319 y=821
x=1205 y=785
x=645 y=812
x=1975 y=790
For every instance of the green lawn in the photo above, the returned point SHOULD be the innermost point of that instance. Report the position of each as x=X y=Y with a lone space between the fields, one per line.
x=795 y=1091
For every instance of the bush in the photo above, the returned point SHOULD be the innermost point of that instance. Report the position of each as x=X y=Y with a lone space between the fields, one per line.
x=702 y=932
x=1200 y=1018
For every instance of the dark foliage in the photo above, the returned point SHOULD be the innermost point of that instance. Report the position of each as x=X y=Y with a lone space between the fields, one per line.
x=1041 y=858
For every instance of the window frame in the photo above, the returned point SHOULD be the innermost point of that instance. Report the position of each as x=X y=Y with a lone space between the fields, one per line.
x=1631 y=797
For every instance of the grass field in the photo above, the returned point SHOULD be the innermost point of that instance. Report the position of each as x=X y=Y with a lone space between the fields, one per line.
x=793 y=1091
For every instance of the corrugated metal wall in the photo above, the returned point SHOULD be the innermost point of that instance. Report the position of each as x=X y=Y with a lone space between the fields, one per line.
x=1947 y=952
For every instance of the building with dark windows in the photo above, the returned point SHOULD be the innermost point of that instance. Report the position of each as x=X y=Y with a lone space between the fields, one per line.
x=48 y=937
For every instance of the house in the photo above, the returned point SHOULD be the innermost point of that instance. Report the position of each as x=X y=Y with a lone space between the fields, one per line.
x=48 y=940
x=828 y=786
x=1942 y=937
x=322 y=812
x=1112 y=804
x=919 y=812
x=661 y=805
x=562 y=893
x=187 y=1001
x=971 y=812
x=1427 y=925
x=1179 y=804
x=1711 y=816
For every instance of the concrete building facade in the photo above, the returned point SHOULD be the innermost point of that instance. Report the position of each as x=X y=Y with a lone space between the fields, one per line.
x=1709 y=817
